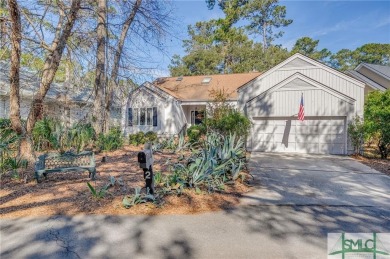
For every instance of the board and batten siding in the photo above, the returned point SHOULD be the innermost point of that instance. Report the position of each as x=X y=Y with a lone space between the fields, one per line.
x=327 y=93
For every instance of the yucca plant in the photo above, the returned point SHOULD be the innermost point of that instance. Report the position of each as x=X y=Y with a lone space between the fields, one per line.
x=98 y=194
x=136 y=198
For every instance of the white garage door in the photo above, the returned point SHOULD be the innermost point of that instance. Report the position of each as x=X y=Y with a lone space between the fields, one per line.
x=315 y=135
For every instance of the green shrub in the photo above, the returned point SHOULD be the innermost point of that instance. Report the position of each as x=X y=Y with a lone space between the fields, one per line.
x=229 y=122
x=5 y=124
x=81 y=135
x=377 y=119
x=113 y=140
x=195 y=132
x=150 y=136
x=8 y=147
x=137 y=139
x=44 y=134
x=356 y=134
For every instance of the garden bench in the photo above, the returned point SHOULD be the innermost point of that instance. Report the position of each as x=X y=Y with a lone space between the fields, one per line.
x=68 y=161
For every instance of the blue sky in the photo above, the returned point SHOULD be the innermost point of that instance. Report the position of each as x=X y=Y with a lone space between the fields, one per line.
x=337 y=24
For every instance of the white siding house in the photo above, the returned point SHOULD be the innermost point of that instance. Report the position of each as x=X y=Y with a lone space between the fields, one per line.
x=270 y=100
x=176 y=103
x=331 y=100
x=69 y=105
x=150 y=109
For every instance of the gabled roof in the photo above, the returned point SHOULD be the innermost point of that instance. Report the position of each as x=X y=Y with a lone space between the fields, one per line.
x=197 y=88
x=366 y=80
x=309 y=61
x=384 y=71
x=380 y=71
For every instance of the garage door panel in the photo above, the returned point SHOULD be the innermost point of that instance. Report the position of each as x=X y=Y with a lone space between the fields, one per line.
x=325 y=138
x=281 y=147
x=306 y=138
x=322 y=135
x=307 y=129
x=307 y=147
x=263 y=138
x=325 y=148
x=338 y=149
x=338 y=139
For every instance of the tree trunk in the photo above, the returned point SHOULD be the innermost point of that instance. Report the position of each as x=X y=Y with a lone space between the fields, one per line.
x=265 y=36
x=50 y=67
x=16 y=38
x=113 y=82
x=3 y=26
x=100 y=79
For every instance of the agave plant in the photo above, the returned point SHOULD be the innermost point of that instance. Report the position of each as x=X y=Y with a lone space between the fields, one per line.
x=220 y=156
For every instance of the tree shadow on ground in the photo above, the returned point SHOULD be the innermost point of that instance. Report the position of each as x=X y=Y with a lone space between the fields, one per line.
x=90 y=237
x=311 y=223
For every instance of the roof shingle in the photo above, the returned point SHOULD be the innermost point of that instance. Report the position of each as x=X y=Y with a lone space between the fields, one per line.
x=191 y=88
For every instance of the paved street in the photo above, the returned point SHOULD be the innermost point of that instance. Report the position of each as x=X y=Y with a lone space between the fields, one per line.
x=290 y=223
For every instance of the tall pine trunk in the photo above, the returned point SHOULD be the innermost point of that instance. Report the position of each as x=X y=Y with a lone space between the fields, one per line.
x=16 y=38
x=52 y=61
x=113 y=82
x=3 y=27
x=100 y=79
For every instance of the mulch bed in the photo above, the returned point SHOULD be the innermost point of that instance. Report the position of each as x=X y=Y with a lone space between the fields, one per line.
x=68 y=193
x=381 y=165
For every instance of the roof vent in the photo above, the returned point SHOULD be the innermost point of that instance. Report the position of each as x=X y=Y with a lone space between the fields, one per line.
x=179 y=78
x=206 y=80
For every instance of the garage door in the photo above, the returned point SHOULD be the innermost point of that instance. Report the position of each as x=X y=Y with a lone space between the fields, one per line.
x=315 y=135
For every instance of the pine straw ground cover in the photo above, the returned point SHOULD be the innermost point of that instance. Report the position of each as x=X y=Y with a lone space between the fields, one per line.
x=68 y=193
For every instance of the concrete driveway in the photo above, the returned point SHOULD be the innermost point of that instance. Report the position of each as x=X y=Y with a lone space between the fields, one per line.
x=300 y=179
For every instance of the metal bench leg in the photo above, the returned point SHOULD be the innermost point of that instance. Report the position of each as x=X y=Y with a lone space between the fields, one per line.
x=37 y=177
x=92 y=174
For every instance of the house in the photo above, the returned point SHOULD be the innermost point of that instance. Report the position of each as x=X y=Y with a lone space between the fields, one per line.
x=170 y=105
x=376 y=77
x=270 y=100
x=68 y=104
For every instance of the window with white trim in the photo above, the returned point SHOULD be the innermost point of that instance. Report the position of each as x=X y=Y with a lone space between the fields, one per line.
x=142 y=116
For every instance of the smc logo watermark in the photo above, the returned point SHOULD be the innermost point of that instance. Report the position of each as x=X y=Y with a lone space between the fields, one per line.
x=359 y=245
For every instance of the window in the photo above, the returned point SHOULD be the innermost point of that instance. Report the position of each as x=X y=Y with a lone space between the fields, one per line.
x=197 y=117
x=154 y=116
x=142 y=116
x=149 y=116
x=130 y=117
x=135 y=117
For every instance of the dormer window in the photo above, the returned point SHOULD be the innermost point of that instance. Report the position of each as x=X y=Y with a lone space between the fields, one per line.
x=206 y=80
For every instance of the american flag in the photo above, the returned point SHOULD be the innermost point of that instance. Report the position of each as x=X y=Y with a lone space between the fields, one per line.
x=301 y=113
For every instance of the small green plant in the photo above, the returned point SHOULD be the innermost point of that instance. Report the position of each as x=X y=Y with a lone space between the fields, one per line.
x=195 y=132
x=13 y=164
x=150 y=136
x=137 y=139
x=44 y=134
x=113 y=140
x=137 y=198
x=98 y=194
x=356 y=134
x=158 y=178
